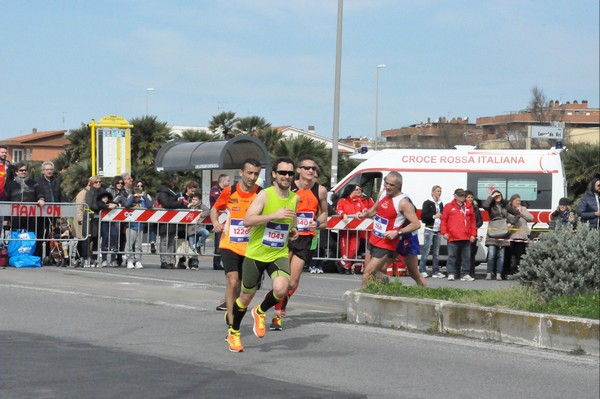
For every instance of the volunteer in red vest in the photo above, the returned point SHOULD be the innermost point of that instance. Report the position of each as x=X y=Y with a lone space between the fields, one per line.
x=311 y=215
x=389 y=213
x=234 y=236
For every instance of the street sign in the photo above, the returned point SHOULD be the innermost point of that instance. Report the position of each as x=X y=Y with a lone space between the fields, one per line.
x=546 y=132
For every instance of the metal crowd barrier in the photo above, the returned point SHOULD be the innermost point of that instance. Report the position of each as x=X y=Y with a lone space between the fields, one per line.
x=58 y=228
x=329 y=248
x=175 y=235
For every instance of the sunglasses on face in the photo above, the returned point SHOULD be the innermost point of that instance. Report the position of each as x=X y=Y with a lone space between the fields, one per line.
x=285 y=172
x=308 y=167
x=22 y=170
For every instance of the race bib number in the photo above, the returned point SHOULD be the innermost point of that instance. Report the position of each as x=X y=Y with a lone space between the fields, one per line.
x=379 y=226
x=303 y=219
x=237 y=231
x=276 y=234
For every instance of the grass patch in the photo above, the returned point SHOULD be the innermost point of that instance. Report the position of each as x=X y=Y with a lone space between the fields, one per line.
x=518 y=298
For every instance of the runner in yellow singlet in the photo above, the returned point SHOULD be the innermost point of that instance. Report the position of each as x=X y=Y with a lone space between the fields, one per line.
x=272 y=217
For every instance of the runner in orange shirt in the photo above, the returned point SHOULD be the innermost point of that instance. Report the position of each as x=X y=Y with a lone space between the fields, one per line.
x=234 y=238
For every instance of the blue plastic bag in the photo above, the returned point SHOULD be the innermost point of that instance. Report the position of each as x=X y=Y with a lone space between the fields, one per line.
x=22 y=261
x=22 y=243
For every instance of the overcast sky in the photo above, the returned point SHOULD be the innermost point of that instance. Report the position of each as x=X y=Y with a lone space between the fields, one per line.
x=64 y=62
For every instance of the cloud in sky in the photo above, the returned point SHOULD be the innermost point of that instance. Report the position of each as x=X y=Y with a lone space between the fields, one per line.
x=76 y=61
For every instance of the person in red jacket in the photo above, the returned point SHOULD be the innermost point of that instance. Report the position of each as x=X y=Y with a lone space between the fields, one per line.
x=352 y=202
x=458 y=228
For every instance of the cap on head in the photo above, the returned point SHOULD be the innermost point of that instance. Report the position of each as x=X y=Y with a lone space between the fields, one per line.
x=460 y=192
x=564 y=201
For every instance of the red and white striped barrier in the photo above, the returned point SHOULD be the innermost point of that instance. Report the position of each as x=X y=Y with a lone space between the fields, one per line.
x=152 y=216
x=337 y=223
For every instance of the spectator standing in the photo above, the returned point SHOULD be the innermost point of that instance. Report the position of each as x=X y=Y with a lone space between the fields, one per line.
x=431 y=216
x=6 y=171
x=151 y=226
x=589 y=207
x=563 y=217
x=458 y=228
x=81 y=226
x=189 y=190
x=478 y=224
x=496 y=206
x=519 y=233
x=50 y=186
x=119 y=194
x=94 y=226
x=134 y=231
x=197 y=233
x=215 y=191
x=127 y=183
x=390 y=212
x=24 y=189
x=108 y=232
x=167 y=198
x=352 y=202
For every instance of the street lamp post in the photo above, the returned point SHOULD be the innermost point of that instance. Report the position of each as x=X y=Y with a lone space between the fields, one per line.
x=147 y=90
x=377 y=104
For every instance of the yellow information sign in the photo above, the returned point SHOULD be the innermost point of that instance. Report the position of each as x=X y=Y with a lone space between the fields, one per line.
x=111 y=146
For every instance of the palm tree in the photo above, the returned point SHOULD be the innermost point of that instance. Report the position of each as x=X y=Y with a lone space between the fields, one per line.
x=252 y=125
x=224 y=123
x=270 y=137
x=581 y=163
x=294 y=147
x=197 y=136
x=148 y=136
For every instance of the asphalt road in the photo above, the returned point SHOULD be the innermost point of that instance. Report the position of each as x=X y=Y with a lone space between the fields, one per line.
x=151 y=333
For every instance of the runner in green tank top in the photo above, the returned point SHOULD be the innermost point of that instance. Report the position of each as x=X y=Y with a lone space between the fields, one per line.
x=272 y=217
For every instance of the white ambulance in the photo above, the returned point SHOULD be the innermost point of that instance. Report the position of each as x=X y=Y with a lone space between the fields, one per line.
x=536 y=175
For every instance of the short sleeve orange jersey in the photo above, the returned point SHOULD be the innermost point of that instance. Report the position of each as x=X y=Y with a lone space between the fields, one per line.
x=235 y=236
x=308 y=208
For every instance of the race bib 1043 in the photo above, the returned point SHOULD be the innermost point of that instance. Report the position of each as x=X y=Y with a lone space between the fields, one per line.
x=276 y=234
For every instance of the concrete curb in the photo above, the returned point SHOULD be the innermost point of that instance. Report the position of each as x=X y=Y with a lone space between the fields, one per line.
x=510 y=326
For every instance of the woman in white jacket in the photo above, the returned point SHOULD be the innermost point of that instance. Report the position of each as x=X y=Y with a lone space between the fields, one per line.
x=519 y=232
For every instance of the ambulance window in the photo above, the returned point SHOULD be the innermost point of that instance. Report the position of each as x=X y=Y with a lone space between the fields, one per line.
x=371 y=184
x=535 y=189
x=485 y=187
x=527 y=189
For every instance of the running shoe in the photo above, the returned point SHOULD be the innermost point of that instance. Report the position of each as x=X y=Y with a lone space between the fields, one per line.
x=466 y=277
x=319 y=269
x=222 y=306
x=313 y=270
x=276 y=323
x=259 y=323
x=424 y=275
x=438 y=275
x=451 y=277
x=234 y=341
x=138 y=265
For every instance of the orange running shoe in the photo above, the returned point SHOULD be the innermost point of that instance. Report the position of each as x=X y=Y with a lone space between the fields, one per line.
x=234 y=341
x=259 y=323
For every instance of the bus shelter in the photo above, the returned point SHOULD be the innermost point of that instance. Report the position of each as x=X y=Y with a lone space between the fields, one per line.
x=223 y=155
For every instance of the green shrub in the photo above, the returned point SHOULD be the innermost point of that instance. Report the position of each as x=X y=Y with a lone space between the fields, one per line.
x=563 y=263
